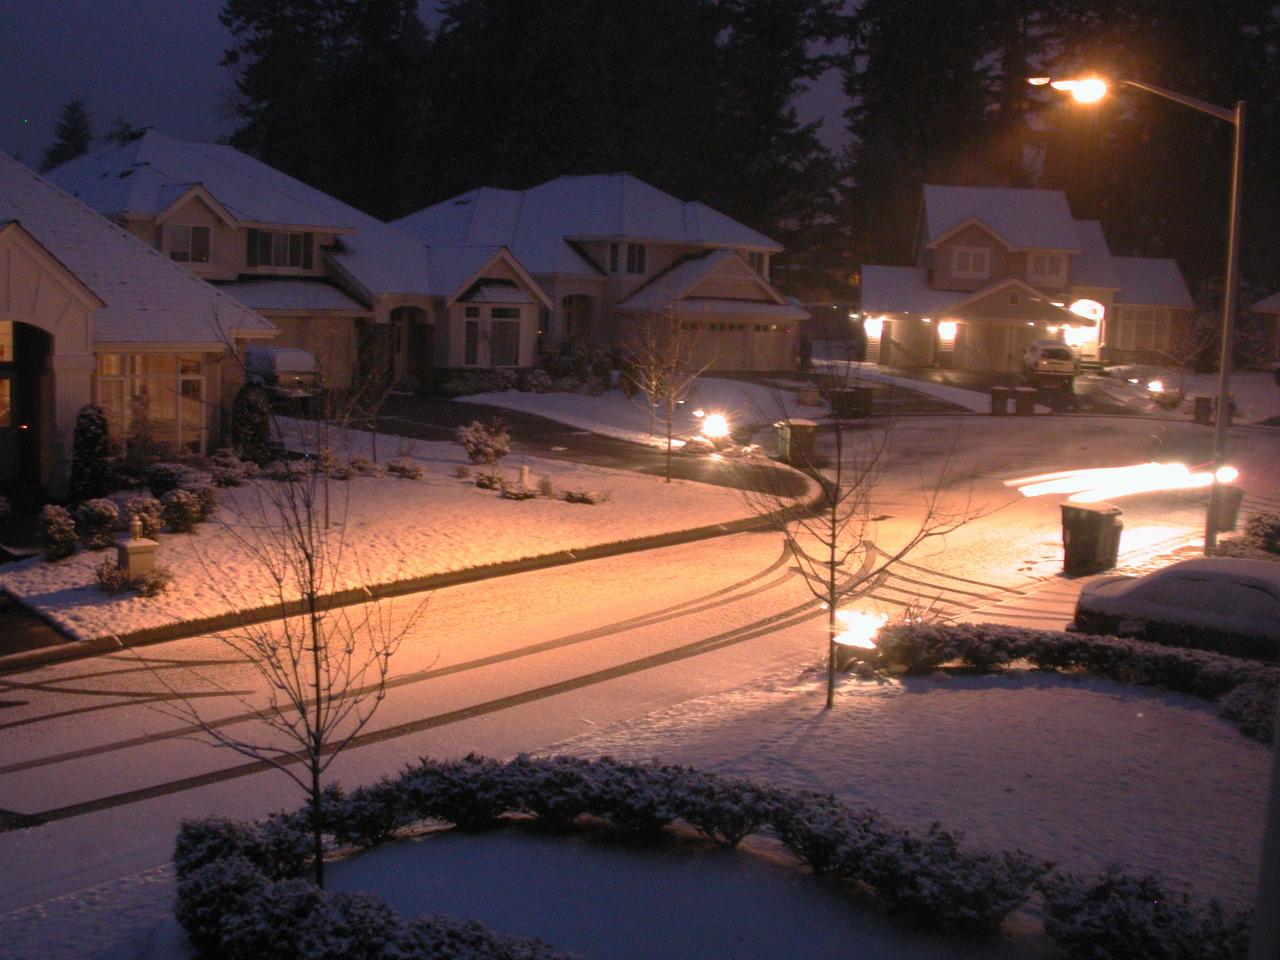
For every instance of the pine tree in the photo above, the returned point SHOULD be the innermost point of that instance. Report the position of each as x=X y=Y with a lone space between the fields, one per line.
x=71 y=137
x=90 y=456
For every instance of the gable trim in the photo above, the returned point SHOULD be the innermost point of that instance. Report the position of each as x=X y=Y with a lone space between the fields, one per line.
x=964 y=225
x=198 y=192
x=14 y=234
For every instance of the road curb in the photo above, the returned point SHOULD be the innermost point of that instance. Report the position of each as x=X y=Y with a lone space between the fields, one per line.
x=27 y=659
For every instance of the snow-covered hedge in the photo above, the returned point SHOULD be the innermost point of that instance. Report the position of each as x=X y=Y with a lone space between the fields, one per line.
x=1133 y=918
x=240 y=892
x=96 y=523
x=57 y=532
x=1245 y=690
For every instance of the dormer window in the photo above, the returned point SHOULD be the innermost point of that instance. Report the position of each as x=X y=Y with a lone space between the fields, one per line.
x=755 y=259
x=275 y=248
x=971 y=263
x=637 y=255
x=1046 y=267
x=187 y=244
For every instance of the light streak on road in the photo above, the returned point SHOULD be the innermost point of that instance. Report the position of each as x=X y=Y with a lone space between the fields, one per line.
x=1109 y=483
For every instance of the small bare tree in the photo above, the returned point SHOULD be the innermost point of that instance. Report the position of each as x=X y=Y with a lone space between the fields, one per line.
x=828 y=532
x=667 y=357
x=322 y=659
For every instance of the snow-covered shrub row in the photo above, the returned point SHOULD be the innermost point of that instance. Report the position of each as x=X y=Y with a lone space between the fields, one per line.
x=1120 y=917
x=163 y=477
x=57 y=532
x=228 y=470
x=1245 y=690
x=533 y=381
x=287 y=471
x=237 y=902
x=96 y=523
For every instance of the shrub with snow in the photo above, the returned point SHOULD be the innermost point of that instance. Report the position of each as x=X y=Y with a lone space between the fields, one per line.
x=515 y=490
x=923 y=647
x=112 y=578
x=1263 y=530
x=470 y=793
x=251 y=424
x=150 y=513
x=370 y=815
x=546 y=488
x=96 y=523
x=405 y=470
x=533 y=381
x=286 y=471
x=182 y=510
x=163 y=477
x=364 y=467
x=206 y=495
x=228 y=470
x=723 y=809
x=585 y=496
x=91 y=474
x=57 y=532
x=633 y=797
x=486 y=442
x=1120 y=917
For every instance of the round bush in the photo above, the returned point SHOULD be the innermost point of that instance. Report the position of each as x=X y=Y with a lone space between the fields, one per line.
x=207 y=495
x=96 y=523
x=149 y=512
x=91 y=474
x=57 y=532
x=182 y=510
x=163 y=477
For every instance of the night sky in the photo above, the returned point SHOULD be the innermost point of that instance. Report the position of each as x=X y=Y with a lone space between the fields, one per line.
x=156 y=63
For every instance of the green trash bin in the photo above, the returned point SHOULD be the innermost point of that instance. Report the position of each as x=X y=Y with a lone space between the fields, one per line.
x=1090 y=537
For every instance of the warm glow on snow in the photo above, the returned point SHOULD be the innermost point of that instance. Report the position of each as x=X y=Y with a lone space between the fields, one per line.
x=1108 y=483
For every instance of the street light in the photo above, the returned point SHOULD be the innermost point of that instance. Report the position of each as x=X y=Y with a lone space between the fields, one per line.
x=1091 y=90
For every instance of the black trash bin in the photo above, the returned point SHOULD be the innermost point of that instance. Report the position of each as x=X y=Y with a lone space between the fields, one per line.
x=1090 y=537
x=1204 y=409
x=1024 y=401
x=1000 y=401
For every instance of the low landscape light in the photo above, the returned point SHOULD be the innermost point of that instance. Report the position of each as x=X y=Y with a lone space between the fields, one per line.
x=860 y=628
x=1156 y=386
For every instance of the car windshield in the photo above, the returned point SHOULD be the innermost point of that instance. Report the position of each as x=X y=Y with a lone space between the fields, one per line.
x=1057 y=353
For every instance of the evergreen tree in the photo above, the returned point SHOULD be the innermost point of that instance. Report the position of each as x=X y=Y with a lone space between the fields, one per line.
x=90 y=455
x=122 y=131
x=71 y=137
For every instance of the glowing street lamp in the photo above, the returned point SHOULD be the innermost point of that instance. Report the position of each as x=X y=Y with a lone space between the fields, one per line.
x=1091 y=90
x=715 y=426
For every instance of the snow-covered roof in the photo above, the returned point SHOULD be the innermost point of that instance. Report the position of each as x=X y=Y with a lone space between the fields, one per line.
x=146 y=175
x=148 y=297
x=1269 y=304
x=1025 y=219
x=537 y=223
x=903 y=290
x=292 y=293
x=1093 y=265
x=676 y=288
x=1152 y=281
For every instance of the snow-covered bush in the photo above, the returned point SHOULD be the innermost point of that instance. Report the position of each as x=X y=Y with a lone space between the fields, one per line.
x=370 y=815
x=585 y=496
x=163 y=477
x=206 y=495
x=286 y=471
x=91 y=474
x=824 y=833
x=922 y=647
x=564 y=385
x=57 y=532
x=546 y=488
x=340 y=470
x=470 y=793
x=486 y=442
x=150 y=514
x=588 y=360
x=364 y=467
x=533 y=381
x=112 y=578
x=405 y=470
x=228 y=470
x=96 y=523
x=633 y=797
x=182 y=510
x=489 y=481
x=554 y=789
x=1263 y=530
x=515 y=490
x=723 y=809
x=449 y=938
x=222 y=892
x=463 y=472
x=1120 y=917
x=154 y=582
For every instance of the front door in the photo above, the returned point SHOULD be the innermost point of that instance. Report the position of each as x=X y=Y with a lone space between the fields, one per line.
x=24 y=357
x=422 y=351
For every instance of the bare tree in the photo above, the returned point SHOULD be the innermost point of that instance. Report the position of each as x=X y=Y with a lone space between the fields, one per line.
x=828 y=532
x=323 y=660
x=667 y=357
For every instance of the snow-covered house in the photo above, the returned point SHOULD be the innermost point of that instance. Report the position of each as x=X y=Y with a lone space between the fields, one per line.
x=88 y=313
x=612 y=251
x=998 y=267
x=368 y=300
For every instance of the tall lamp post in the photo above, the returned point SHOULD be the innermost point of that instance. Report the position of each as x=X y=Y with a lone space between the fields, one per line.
x=1093 y=89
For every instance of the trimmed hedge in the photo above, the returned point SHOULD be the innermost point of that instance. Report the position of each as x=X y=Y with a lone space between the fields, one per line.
x=1245 y=690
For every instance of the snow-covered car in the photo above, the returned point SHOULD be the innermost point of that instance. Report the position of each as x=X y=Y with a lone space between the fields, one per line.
x=285 y=373
x=1229 y=604
x=1050 y=363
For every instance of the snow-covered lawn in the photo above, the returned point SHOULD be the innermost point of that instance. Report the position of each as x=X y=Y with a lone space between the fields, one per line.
x=395 y=529
x=1083 y=772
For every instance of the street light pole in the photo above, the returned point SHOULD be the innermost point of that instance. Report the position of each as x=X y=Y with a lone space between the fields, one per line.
x=1090 y=91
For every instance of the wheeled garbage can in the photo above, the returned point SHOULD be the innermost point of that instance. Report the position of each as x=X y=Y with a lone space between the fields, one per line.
x=1090 y=537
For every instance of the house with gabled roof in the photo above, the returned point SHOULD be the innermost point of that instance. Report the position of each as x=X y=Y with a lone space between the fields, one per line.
x=91 y=314
x=371 y=302
x=611 y=250
x=997 y=268
x=1269 y=309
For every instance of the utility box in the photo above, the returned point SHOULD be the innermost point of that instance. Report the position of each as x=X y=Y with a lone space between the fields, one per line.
x=1090 y=537
x=1229 y=500
x=796 y=441
x=1000 y=401
x=1024 y=401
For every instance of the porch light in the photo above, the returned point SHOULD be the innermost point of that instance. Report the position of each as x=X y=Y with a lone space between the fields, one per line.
x=1089 y=309
x=873 y=327
x=947 y=331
